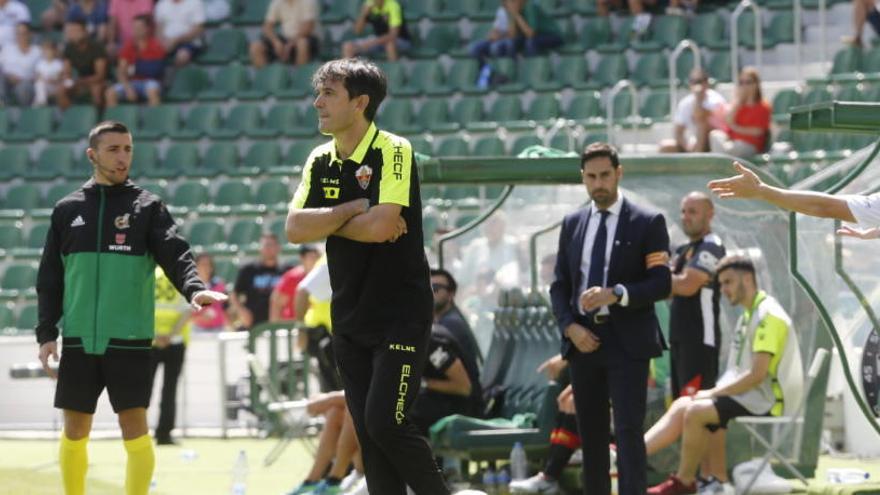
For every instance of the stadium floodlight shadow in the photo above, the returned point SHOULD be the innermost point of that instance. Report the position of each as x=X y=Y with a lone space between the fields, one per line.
x=783 y=427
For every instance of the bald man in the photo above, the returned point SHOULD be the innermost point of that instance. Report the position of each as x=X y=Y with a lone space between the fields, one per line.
x=694 y=330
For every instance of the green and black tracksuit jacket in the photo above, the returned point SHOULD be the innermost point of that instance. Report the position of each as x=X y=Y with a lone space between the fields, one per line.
x=96 y=277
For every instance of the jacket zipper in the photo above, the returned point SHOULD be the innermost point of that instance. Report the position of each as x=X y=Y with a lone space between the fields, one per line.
x=98 y=262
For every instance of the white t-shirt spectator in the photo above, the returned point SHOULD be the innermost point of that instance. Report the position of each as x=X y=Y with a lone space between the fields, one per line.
x=866 y=209
x=501 y=21
x=11 y=15
x=49 y=70
x=20 y=64
x=292 y=14
x=684 y=114
x=176 y=19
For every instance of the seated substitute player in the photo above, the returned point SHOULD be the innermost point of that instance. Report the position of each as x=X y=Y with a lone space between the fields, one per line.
x=97 y=272
x=763 y=374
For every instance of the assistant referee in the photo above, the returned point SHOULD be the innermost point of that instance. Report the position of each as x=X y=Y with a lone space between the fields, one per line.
x=361 y=192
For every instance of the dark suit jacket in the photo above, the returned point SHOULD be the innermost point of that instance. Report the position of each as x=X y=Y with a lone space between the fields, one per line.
x=639 y=233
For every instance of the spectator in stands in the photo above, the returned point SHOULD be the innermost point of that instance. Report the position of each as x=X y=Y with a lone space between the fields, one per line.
x=337 y=443
x=281 y=305
x=121 y=26
x=389 y=30
x=181 y=25
x=697 y=114
x=49 y=70
x=519 y=26
x=637 y=8
x=211 y=318
x=448 y=315
x=55 y=14
x=85 y=66
x=298 y=41
x=94 y=13
x=19 y=63
x=12 y=13
x=748 y=120
x=495 y=251
x=450 y=383
x=216 y=10
x=763 y=374
x=141 y=66
x=255 y=282
x=863 y=11
x=682 y=7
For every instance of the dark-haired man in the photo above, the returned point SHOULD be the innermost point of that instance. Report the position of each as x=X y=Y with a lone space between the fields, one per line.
x=447 y=314
x=85 y=66
x=361 y=192
x=97 y=272
x=610 y=269
x=251 y=297
x=764 y=377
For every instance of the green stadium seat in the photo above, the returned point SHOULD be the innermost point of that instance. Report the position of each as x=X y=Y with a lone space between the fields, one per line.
x=596 y=31
x=157 y=188
x=719 y=66
x=848 y=59
x=27 y=316
x=462 y=76
x=440 y=39
x=278 y=227
x=299 y=151
x=226 y=83
x=33 y=123
x=36 y=239
x=268 y=80
x=201 y=120
x=612 y=67
x=783 y=102
x=593 y=137
x=468 y=109
x=420 y=144
x=234 y=196
x=306 y=126
x=145 y=157
x=489 y=146
x=158 y=122
x=533 y=73
x=10 y=237
x=781 y=28
x=871 y=61
x=75 y=122
x=584 y=107
x=523 y=142
x=7 y=317
x=14 y=161
x=300 y=82
x=225 y=46
x=480 y=10
x=191 y=194
x=240 y=119
x=220 y=158
x=36 y=7
x=57 y=192
x=655 y=106
x=182 y=156
x=127 y=114
x=665 y=32
x=850 y=93
x=169 y=168
x=253 y=12
x=4 y=123
x=651 y=69
x=683 y=66
x=745 y=26
x=434 y=116
x=572 y=72
x=622 y=105
x=281 y=116
x=188 y=82
x=817 y=95
x=226 y=270
x=708 y=29
x=621 y=38
x=544 y=107
x=398 y=116
x=81 y=169
x=205 y=233
x=17 y=279
x=275 y=194
x=54 y=161
x=415 y=11
x=396 y=74
x=448 y=10
x=425 y=77
x=245 y=234
x=505 y=109
x=452 y=146
x=340 y=11
x=564 y=141
x=262 y=155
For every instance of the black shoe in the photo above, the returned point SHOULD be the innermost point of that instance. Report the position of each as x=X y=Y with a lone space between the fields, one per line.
x=165 y=441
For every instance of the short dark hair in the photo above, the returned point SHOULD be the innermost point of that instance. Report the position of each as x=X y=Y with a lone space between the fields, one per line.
x=105 y=127
x=360 y=77
x=450 y=280
x=308 y=248
x=146 y=19
x=269 y=235
x=27 y=26
x=78 y=20
x=736 y=262
x=599 y=150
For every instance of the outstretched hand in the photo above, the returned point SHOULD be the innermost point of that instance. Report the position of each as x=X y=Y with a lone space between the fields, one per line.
x=745 y=185
x=207 y=298
x=870 y=233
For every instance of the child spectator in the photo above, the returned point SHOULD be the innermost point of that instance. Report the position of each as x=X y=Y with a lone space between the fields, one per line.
x=49 y=70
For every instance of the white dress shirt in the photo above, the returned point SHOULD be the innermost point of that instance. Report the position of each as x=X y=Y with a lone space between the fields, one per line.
x=865 y=209
x=590 y=239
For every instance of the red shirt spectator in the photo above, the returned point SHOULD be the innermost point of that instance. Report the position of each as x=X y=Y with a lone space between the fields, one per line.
x=287 y=286
x=753 y=115
x=122 y=14
x=148 y=62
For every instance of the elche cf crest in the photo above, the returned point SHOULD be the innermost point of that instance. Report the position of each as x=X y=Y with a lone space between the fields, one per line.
x=363 y=175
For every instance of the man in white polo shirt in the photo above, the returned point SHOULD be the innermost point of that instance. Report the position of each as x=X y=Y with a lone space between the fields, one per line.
x=181 y=26
x=861 y=209
x=19 y=61
x=12 y=13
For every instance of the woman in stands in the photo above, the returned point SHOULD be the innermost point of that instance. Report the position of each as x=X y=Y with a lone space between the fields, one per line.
x=748 y=120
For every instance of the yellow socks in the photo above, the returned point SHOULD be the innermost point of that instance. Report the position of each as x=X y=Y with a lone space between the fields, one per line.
x=73 y=456
x=141 y=461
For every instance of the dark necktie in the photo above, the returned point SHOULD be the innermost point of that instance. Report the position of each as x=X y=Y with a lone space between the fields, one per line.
x=597 y=256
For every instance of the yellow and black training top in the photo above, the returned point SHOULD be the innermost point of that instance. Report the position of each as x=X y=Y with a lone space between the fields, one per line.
x=374 y=284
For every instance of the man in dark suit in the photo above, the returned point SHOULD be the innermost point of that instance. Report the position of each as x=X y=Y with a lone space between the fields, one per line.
x=610 y=269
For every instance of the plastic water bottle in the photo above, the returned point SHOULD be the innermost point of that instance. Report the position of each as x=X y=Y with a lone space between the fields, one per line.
x=484 y=77
x=519 y=465
x=239 y=474
x=490 y=482
x=847 y=476
x=502 y=480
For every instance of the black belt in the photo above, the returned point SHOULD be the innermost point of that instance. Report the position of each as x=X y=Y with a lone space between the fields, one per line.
x=600 y=319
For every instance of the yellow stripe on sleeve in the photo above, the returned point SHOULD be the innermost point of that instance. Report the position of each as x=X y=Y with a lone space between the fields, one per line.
x=656 y=259
x=396 y=169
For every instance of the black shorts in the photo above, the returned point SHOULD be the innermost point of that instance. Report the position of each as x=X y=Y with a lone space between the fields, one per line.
x=314 y=45
x=688 y=360
x=728 y=409
x=127 y=374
